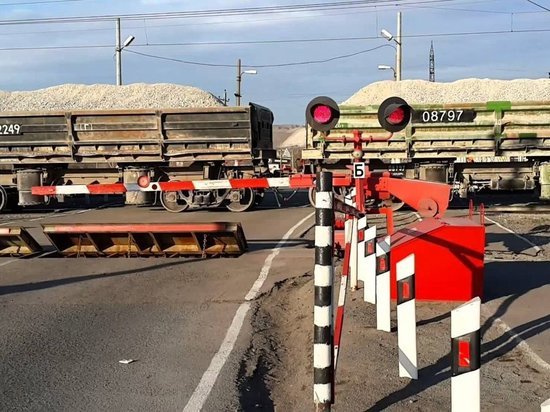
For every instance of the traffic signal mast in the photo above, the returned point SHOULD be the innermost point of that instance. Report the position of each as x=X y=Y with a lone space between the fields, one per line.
x=394 y=114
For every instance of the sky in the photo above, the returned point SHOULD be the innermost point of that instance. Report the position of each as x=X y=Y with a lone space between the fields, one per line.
x=502 y=39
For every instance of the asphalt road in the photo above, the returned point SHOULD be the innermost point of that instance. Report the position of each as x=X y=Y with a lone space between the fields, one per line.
x=66 y=323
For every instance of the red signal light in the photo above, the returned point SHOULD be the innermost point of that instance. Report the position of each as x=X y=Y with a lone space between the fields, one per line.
x=396 y=117
x=322 y=114
x=394 y=114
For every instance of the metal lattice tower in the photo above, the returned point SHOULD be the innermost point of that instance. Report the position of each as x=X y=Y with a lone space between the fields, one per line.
x=432 y=63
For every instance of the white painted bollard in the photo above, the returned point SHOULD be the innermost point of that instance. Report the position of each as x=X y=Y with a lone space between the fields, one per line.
x=383 y=303
x=406 y=318
x=366 y=261
x=545 y=406
x=353 y=270
x=465 y=350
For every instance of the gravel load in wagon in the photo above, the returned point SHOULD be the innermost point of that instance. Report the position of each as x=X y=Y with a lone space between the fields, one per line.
x=107 y=97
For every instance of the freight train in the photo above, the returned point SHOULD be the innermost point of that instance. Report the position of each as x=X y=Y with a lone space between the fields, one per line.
x=102 y=147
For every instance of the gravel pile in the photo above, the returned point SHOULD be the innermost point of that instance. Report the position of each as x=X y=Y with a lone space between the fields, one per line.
x=103 y=96
x=461 y=91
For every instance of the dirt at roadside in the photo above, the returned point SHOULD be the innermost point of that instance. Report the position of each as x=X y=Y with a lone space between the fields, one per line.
x=533 y=226
x=276 y=373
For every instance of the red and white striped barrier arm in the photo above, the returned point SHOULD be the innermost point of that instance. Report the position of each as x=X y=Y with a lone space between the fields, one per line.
x=293 y=182
x=383 y=303
x=465 y=349
x=339 y=324
x=406 y=318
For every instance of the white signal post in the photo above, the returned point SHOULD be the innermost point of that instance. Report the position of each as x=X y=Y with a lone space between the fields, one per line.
x=406 y=318
x=465 y=348
x=383 y=303
x=366 y=260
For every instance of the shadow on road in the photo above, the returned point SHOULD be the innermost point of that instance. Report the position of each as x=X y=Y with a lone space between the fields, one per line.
x=46 y=284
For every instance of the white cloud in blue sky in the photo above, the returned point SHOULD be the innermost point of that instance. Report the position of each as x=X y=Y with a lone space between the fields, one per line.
x=285 y=90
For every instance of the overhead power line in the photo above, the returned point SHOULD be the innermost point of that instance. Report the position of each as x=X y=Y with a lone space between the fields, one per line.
x=274 y=41
x=539 y=5
x=27 y=3
x=295 y=8
x=261 y=66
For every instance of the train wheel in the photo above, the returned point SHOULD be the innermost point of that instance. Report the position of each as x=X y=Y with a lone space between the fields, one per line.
x=175 y=202
x=3 y=199
x=241 y=200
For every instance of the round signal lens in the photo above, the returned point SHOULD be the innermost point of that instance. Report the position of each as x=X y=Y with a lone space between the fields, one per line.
x=322 y=114
x=396 y=117
x=143 y=181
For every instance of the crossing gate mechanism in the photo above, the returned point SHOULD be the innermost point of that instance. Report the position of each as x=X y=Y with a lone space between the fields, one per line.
x=168 y=240
x=16 y=241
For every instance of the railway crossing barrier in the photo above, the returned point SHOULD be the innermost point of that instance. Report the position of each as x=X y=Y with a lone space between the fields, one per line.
x=16 y=241
x=129 y=240
x=372 y=260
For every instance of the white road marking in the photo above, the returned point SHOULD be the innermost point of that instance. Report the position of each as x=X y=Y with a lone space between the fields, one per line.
x=8 y=262
x=210 y=376
x=521 y=344
x=533 y=246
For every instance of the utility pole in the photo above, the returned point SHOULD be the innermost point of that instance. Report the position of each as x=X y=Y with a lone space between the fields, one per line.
x=239 y=77
x=118 y=52
x=432 y=63
x=399 y=48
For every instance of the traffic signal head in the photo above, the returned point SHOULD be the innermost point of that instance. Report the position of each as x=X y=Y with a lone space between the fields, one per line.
x=322 y=114
x=394 y=114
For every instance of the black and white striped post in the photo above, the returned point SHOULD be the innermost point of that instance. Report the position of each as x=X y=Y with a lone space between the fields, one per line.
x=323 y=363
x=383 y=303
x=465 y=350
x=406 y=318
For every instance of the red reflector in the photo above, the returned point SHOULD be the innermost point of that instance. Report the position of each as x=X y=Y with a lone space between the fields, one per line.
x=361 y=235
x=406 y=291
x=370 y=247
x=463 y=354
x=396 y=117
x=382 y=264
x=322 y=114
x=143 y=181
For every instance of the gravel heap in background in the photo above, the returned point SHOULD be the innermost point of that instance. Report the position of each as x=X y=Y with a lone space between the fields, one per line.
x=104 y=96
x=461 y=91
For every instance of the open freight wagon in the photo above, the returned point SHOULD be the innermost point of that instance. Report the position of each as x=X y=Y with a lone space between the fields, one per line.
x=494 y=145
x=85 y=147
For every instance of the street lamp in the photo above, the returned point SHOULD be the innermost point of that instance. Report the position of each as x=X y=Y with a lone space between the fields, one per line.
x=240 y=74
x=118 y=52
x=386 y=67
x=389 y=37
